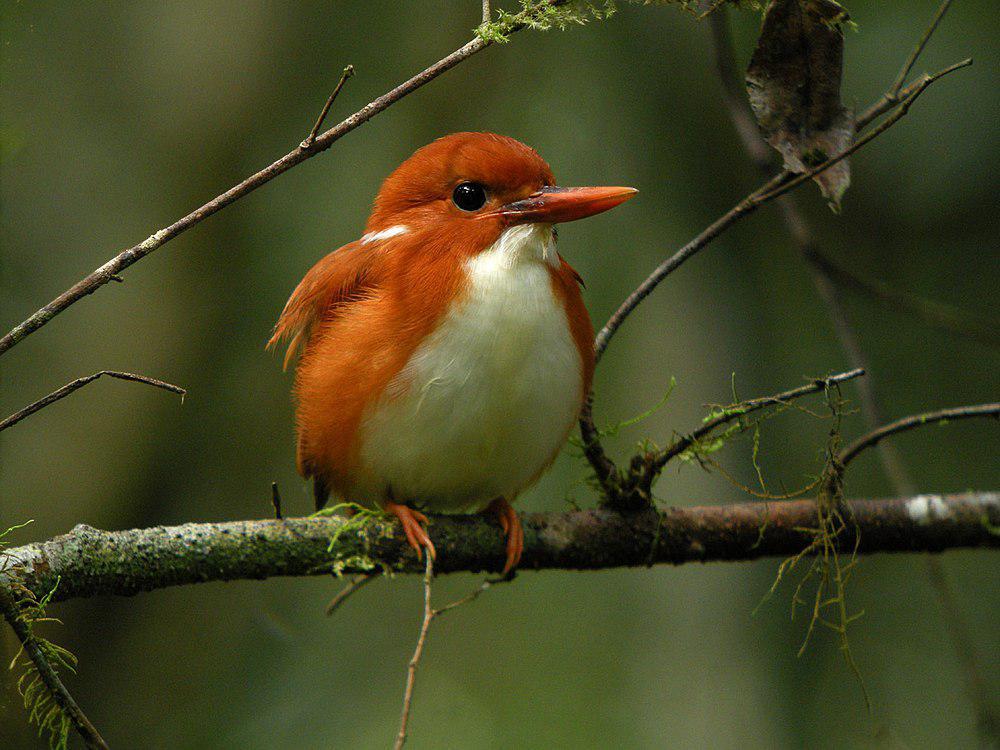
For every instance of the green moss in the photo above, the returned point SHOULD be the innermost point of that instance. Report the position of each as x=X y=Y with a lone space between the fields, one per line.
x=822 y=590
x=541 y=15
x=39 y=702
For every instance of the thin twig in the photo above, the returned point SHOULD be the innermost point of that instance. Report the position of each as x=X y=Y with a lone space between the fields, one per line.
x=872 y=134
x=309 y=139
x=910 y=423
x=429 y=614
x=937 y=314
x=904 y=72
x=354 y=585
x=101 y=276
x=777 y=186
x=67 y=704
x=738 y=411
x=411 y=672
x=486 y=11
x=476 y=593
x=276 y=500
x=67 y=389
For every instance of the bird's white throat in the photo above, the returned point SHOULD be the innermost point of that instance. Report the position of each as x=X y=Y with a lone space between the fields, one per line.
x=520 y=244
x=488 y=398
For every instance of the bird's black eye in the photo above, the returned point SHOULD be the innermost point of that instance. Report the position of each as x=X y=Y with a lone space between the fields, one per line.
x=469 y=196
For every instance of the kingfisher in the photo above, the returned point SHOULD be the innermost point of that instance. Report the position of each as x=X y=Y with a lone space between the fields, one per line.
x=444 y=357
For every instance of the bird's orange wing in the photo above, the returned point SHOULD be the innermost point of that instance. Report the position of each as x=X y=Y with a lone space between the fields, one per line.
x=340 y=277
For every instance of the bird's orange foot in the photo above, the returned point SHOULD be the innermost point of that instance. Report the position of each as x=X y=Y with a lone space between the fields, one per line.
x=415 y=534
x=510 y=522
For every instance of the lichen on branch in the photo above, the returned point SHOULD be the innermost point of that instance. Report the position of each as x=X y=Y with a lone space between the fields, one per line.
x=91 y=562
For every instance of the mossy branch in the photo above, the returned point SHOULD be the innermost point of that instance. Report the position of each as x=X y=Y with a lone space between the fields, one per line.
x=90 y=562
x=50 y=703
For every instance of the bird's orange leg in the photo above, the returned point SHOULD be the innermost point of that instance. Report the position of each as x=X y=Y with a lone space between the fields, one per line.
x=510 y=522
x=412 y=520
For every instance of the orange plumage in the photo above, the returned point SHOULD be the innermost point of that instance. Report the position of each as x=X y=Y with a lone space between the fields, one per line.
x=445 y=355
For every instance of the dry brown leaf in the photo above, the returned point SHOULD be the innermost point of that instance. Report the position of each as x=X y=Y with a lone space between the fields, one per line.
x=793 y=83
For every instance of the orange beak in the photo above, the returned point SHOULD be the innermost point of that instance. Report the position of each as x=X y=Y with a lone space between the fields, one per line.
x=552 y=205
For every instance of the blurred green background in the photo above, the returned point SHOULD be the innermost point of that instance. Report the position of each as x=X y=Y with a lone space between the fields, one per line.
x=117 y=118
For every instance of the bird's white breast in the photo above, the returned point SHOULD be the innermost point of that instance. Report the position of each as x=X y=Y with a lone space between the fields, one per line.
x=489 y=397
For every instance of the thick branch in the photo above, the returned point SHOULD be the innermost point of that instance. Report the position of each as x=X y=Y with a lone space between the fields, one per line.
x=90 y=562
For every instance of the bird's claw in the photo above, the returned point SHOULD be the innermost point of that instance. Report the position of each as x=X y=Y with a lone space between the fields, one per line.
x=413 y=522
x=510 y=522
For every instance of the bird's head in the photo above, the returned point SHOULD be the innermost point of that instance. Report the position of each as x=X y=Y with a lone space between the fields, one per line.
x=468 y=188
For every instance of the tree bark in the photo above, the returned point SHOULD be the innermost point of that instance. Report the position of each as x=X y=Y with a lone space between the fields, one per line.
x=90 y=562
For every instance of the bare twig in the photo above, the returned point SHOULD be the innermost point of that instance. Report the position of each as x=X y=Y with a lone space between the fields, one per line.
x=904 y=72
x=486 y=11
x=411 y=671
x=773 y=188
x=109 y=271
x=67 y=389
x=938 y=314
x=67 y=704
x=470 y=597
x=352 y=586
x=308 y=142
x=917 y=420
x=276 y=500
x=429 y=614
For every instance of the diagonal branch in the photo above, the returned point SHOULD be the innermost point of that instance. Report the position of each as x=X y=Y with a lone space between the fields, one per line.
x=110 y=270
x=940 y=315
x=913 y=422
x=826 y=276
x=90 y=562
x=75 y=385
x=904 y=72
x=309 y=139
x=33 y=650
x=737 y=411
x=775 y=187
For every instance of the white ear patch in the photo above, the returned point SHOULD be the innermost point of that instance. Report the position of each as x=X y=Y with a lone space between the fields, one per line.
x=384 y=234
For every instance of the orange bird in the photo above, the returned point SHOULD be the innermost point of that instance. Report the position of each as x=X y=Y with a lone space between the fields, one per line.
x=445 y=355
